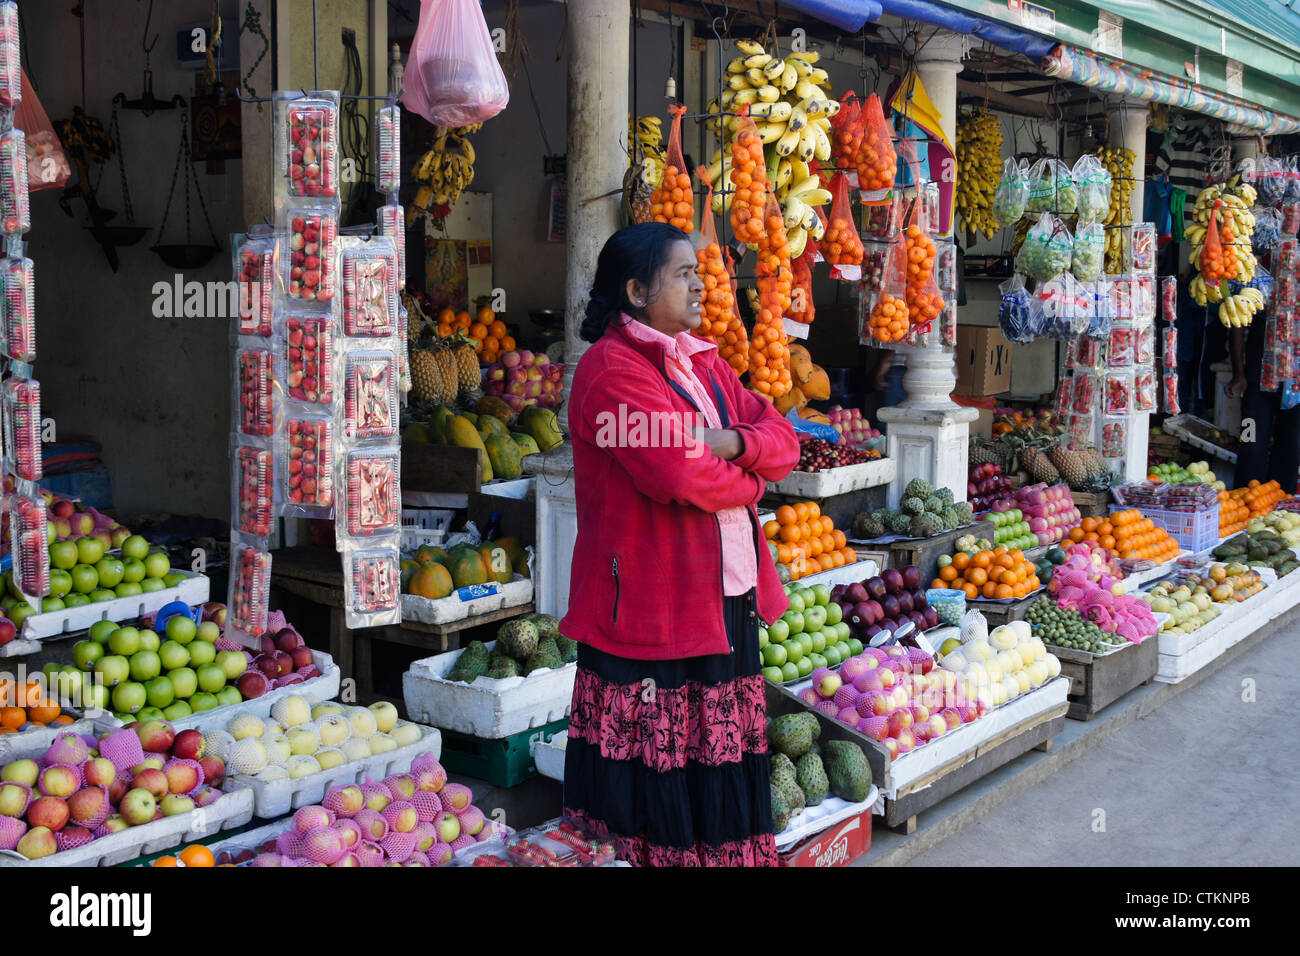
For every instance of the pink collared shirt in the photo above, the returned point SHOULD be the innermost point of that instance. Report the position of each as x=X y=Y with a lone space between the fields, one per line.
x=739 y=560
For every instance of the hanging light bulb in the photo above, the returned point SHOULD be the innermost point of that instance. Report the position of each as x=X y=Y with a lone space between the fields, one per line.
x=670 y=88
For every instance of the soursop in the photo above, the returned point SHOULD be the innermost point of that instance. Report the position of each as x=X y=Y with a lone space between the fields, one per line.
x=867 y=527
x=568 y=648
x=780 y=811
x=918 y=488
x=925 y=526
x=811 y=777
x=945 y=495
x=952 y=518
x=965 y=511
x=506 y=667
x=793 y=734
x=546 y=655
x=898 y=523
x=546 y=625
x=934 y=504
x=847 y=770
x=781 y=768
x=519 y=638
x=913 y=506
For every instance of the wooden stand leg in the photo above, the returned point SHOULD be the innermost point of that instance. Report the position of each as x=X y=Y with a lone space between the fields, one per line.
x=1045 y=746
x=365 y=667
x=907 y=827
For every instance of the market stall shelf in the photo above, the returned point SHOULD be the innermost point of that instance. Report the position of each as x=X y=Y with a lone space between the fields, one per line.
x=463 y=606
x=486 y=708
x=924 y=553
x=836 y=481
x=275 y=798
x=1090 y=504
x=1004 y=612
x=1097 y=681
x=1192 y=430
x=193 y=591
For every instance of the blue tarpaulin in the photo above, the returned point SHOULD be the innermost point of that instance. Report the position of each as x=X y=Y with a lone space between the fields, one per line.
x=1018 y=41
x=847 y=15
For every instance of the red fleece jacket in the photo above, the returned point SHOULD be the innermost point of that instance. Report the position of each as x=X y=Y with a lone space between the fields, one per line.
x=646 y=579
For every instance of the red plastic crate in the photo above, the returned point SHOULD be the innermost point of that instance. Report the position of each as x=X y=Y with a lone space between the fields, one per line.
x=839 y=845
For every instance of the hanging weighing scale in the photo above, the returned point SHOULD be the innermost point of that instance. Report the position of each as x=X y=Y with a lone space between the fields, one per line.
x=186 y=255
x=117 y=235
x=146 y=102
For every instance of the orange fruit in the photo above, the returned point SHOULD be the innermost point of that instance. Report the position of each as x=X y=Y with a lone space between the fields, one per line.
x=786 y=515
x=814 y=510
x=12 y=717
x=166 y=861
x=44 y=711
x=1076 y=533
x=197 y=855
x=977 y=576
x=446 y=315
x=938 y=584
x=983 y=560
x=1002 y=591
x=948 y=574
x=837 y=559
x=971 y=591
x=771 y=529
x=989 y=590
x=961 y=561
x=827 y=562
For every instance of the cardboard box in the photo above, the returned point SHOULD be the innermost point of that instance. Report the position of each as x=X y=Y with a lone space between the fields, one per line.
x=982 y=427
x=983 y=360
x=839 y=845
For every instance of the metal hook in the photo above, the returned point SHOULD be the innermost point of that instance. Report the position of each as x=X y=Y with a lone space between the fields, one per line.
x=144 y=39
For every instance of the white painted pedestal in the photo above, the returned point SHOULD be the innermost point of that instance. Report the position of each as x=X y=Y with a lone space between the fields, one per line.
x=557 y=528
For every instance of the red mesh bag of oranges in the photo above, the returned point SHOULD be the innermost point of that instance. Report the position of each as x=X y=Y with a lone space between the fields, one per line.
x=673 y=201
x=841 y=245
x=749 y=182
x=846 y=134
x=769 y=352
x=887 y=318
x=801 y=300
x=876 y=161
x=720 y=315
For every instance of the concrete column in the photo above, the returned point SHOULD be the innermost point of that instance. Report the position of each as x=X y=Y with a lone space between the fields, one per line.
x=929 y=434
x=1128 y=128
x=257 y=166
x=598 y=41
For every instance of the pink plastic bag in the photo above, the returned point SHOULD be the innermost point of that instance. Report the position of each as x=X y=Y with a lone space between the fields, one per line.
x=452 y=76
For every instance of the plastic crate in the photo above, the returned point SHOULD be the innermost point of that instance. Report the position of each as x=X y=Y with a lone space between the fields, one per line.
x=421 y=526
x=1193 y=530
x=506 y=762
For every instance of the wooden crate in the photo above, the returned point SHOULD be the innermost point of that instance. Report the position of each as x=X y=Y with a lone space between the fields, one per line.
x=920 y=795
x=439 y=469
x=1097 y=682
x=1091 y=504
x=924 y=553
x=1165 y=446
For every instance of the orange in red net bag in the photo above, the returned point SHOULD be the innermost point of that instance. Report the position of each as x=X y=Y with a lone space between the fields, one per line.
x=674 y=201
x=801 y=299
x=888 y=320
x=924 y=303
x=720 y=315
x=846 y=132
x=749 y=180
x=876 y=161
x=769 y=352
x=842 y=246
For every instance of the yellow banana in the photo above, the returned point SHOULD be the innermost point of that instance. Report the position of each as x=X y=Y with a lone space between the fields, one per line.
x=768 y=94
x=771 y=132
x=798 y=241
x=755 y=78
x=789 y=78
x=757 y=61
x=749 y=47
x=806 y=56
x=775 y=112
x=774 y=69
x=822 y=147
x=795 y=212
x=798 y=119
x=803 y=67
x=808 y=143
x=788 y=142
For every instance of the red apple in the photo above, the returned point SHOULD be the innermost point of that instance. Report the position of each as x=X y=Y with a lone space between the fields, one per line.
x=49 y=812
x=117 y=789
x=152 y=781
x=156 y=736
x=188 y=745
x=87 y=804
x=890 y=744
x=266 y=645
x=287 y=639
x=182 y=777
x=7 y=631
x=267 y=665
x=301 y=657
x=214 y=770
x=284 y=662
x=252 y=684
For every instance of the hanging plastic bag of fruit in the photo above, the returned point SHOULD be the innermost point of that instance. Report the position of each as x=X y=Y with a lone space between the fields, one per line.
x=1089 y=252
x=842 y=246
x=673 y=201
x=1047 y=251
x=769 y=352
x=1012 y=194
x=452 y=76
x=1015 y=314
x=1093 y=184
x=748 y=182
x=1292 y=191
x=1211 y=262
x=720 y=320
x=46 y=163
x=888 y=320
x=801 y=298
x=846 y=134
x=877 y=162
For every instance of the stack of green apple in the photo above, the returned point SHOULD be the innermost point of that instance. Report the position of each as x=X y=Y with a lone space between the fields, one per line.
x=82 y=572
x=141 y=675
x=1011 y=530
x=809 y=635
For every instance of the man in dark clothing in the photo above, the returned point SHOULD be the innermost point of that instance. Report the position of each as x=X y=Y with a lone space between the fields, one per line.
x=1275 y=452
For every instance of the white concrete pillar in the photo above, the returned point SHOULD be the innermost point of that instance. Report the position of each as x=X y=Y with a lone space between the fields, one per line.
x=929 y=434
x=597 y=44
x=1128 y=129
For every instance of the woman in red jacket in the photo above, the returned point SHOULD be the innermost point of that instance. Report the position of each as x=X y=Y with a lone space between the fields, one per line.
x=667 y=751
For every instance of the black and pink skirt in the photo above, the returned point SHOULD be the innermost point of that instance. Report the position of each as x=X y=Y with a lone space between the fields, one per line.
x=668 y=759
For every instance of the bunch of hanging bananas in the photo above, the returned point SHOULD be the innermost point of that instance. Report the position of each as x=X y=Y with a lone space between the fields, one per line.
x=979 y=169
x=1119 y=163
x=646 y=138
x=792 y=109
x=1230 y=203
x=445 y=171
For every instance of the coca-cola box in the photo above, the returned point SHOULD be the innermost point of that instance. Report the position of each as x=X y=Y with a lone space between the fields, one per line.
x=839 y=845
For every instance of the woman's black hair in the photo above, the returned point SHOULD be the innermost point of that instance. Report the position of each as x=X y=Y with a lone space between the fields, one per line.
x=634 y=252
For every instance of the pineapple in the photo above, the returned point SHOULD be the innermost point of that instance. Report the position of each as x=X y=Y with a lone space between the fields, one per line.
x=1069 y=463
x=1039 y=465
x=426 y=376
x=450 y=375
x=467 y=367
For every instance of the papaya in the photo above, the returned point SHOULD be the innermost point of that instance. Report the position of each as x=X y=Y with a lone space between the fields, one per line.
x=513 y=548
x=801 y=365
x=503 y=453
x=520 y=565
x=432 y=581
x=415 y=433
x=818 y=384
x=525 y=442
x=409 y=568
x=488 y=425
x=542 y=424
x=795 y=398
x=429 y=552
x=472 y=416
x=496 y=407
x=461 y=432
x=467 y=567
x=438 y=424
x=497 y=563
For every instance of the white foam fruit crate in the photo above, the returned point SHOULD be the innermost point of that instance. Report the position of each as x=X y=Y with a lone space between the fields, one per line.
x=813 y=820
x=454 y=607
x=193 y=591
x=548 y=756
x=38 y=739
x=314 y=691
x=487 y=708
x=836 y=481
x=275 y=798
